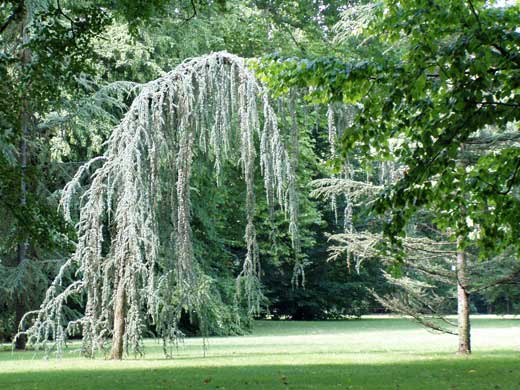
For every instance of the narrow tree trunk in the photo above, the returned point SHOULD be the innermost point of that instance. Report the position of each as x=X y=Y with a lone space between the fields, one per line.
x=25 y=127
x=21 y=340
x=119 y=323
x=463 y=320
x=22 y=246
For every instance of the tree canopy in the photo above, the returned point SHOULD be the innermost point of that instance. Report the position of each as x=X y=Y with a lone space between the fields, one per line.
x=438 y=79
x=348 y=157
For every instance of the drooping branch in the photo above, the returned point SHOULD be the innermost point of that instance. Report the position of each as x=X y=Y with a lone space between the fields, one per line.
x=211 y=107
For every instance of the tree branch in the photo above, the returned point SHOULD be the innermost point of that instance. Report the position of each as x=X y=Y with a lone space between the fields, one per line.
x=13 y=16
x=194 y=7
x=505 y=280
x=285 y=23
x=511 y=180
x=60 y=10
x=475 y=14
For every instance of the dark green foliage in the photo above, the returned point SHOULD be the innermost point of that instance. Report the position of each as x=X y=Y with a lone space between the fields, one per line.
x=332 y=290
x=445 y=72
x=453 y=67
x=49 y=59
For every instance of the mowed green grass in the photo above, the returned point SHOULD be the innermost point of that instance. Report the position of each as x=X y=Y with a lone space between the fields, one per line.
x=353 y=354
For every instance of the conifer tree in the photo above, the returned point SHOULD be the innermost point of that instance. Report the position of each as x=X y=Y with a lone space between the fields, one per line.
x=209 y=107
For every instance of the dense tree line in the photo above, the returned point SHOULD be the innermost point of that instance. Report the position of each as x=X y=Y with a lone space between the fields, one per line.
x=431 y=91
x=85 y=97
x=434 y=84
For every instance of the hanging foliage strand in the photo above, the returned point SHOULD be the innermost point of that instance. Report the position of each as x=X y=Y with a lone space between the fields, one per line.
x=211 y=106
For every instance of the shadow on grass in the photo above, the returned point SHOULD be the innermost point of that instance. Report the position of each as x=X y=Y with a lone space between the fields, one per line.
x=457 y=373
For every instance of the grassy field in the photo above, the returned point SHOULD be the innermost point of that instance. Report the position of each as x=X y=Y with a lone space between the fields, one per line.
x=356 y=354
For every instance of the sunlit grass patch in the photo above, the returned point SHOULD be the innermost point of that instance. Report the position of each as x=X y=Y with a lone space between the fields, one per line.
x=358 y=354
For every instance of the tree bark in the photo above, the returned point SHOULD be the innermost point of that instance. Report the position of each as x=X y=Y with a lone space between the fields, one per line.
x=22 y=246
x=25 y=127
x=464 y=326
x=119 y=323
x=21 y=340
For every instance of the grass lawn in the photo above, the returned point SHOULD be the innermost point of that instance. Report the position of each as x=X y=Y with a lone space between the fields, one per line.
x=369 y=353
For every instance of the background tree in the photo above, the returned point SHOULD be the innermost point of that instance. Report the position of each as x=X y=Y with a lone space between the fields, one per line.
x=94 y=99
x=431 y=78
x=445 y=72
x=49 y=57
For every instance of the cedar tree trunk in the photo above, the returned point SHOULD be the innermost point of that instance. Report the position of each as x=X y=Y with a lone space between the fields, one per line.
x=119 y=323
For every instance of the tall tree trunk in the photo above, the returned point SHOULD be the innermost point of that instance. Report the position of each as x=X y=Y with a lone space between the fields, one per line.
x=119 y=323
x=464 y=327
x=20 y=302
x=25 y=127
x=22 y=246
